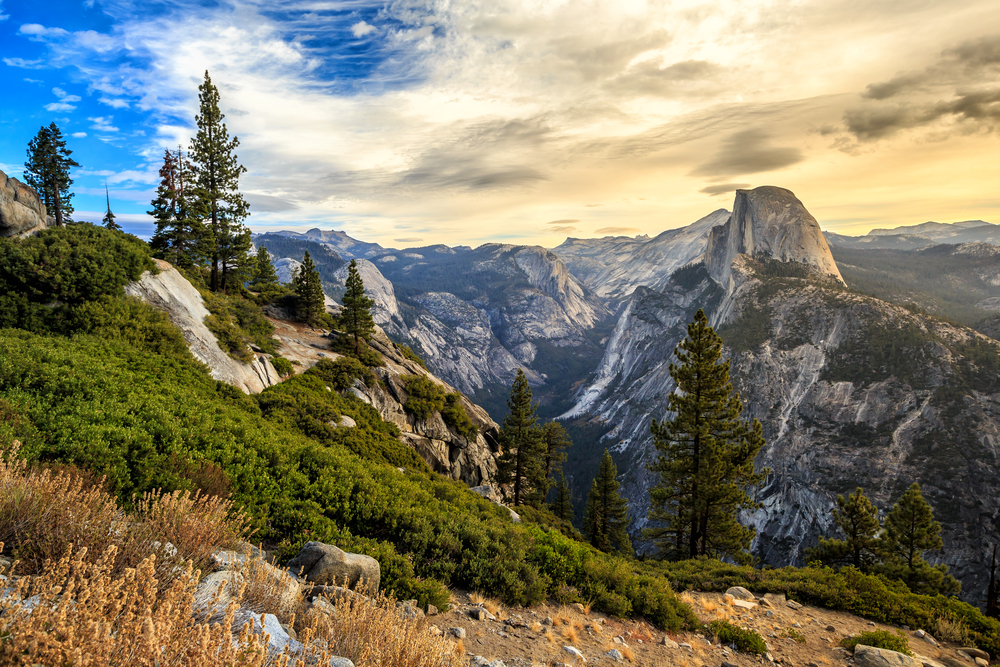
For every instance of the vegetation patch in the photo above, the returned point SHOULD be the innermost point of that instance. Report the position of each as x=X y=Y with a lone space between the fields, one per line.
x=745 y=641
x=424 y=396
x=455 y=416
x=879 y=639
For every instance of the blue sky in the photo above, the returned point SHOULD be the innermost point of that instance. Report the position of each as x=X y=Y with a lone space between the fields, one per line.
x=410 y=122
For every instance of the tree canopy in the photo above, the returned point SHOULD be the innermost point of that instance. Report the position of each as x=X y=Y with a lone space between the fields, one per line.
x=706 y=456
x=356 y=317
x=47 y=171
x=520 y=466
x=605 y=521
x=309 y=300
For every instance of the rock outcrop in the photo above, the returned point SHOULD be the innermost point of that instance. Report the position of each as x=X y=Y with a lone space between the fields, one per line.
x=770 y=222
x=21 y=210
x=170 y=292
x=326 y=565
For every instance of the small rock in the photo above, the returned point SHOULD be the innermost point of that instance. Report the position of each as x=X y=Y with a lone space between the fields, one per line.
x=830 y=628
x=769 y=657
x=743 y=604
x=763 y=602
x=615 y=655
x=869 y=656
x=792 y=604
x=575 y=652
x=871 y=623
x=478 y=661
x=435 y=631
x=796 y=625
x=618 y=640
x=579 y=607
x=339 y=662
x=684 y=645
x=431 y=610
x=548 y=621
x=740 y=593
x=457 y=633
x=477 y=614
x=982 y=663
x=346 y=422
x=668 y=642
x=769 y=613
x=727 y=664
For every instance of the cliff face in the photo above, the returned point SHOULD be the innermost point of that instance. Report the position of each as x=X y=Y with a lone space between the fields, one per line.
x=851 y=391
x=772 y=222
x=21 y=210
x=170 y=292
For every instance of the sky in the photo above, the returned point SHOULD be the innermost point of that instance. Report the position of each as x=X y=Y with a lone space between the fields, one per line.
x=410 y=122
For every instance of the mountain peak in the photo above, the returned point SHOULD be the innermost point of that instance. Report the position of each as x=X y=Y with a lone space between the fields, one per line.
x=768 y=221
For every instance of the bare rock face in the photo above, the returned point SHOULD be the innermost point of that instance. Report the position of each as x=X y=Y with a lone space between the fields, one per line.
x=170 y=292
x=770 y=222
x=21 y=210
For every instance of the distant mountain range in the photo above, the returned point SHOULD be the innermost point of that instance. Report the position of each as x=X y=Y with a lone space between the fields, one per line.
x=924 y=235
x=856 y=384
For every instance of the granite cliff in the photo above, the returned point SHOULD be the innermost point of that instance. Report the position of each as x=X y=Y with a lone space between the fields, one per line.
x=21 y=210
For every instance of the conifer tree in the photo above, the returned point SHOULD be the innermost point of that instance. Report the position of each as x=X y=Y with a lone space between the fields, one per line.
x=857 y=519
x=706 y=456
x=264 y=276
x=109 y=217
x=179 y=208
x=47 y=171
x=520 y=465
x=308 y=291
x=554 y=441
x=356 y=317
x=562 y=504
x=218 y=173
x=910 y=530
x=606 y=518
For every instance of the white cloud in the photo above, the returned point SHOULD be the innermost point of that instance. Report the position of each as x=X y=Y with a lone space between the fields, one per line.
x=38 y=33
x=25 y=64
x=103 y=124
x=360 y=29
x=79 y=135
x=59 y=107
x=114 y=103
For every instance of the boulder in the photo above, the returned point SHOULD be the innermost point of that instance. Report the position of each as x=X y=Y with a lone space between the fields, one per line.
x=669 y=643
x=615 y=655
x=325 y=564
x=215 y=591
x=575 y=652
x=869 y=656
x=741 y=593
x=976 y=653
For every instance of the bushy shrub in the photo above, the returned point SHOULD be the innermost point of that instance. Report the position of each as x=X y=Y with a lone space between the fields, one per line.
x=237 y=322
x=454 y=415
x=424 y=396
x=341 y=373
x=408 y=353
x=879 y=639
x=745 y=641
x=283 y=366
x=344 y=344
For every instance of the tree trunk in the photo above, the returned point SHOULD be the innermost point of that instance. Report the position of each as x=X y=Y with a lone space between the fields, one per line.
x=58 y=205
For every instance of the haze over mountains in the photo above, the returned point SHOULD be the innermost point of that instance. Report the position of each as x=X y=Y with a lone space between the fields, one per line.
x=851 y=389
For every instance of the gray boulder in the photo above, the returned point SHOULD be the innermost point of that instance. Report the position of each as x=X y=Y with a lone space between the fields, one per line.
x=740 y=593
x=869 y=656
x=325 y=564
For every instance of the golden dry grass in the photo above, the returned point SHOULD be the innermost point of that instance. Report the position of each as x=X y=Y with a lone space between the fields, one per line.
x=549 y=636
x=569 y=632
x=536 y=627
x=709 y=605
x=595 y=627
x=627 y=652
x=587 y=606
x=687 y=598
x=475 y=597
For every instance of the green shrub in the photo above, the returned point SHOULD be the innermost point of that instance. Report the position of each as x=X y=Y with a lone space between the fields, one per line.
x=792 y=633
x=879 y=639
x=424 y=396
x=342 y=373
x=455 y=416
x=344 y=344
x=238 y=322
x=283 y=366
x=745 y=641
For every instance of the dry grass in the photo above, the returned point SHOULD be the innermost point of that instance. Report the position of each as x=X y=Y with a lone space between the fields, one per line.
x=595 y=627
x=951 y=630
x=587 y=606
x=569 y=632
x=709 y=605
x=475 y=597
x=43 y=512
x=627 y=652
x=549 y=636
x=687 y=598
x=459 y=648
x=271 y=590
x=730 y=602
x=536 y=627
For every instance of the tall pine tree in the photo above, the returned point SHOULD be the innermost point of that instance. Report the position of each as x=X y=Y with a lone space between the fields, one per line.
x=910 y=530
x=520 y=465
x=218 y=173
x=179 y=208
x=308 y=291
x=264 y=275
x=562 y=504
x=356 y=318
x=554 y=441
x=109 y=217
x=47 y=171
x=605 y=521
x=706 y=456
x=857 y=519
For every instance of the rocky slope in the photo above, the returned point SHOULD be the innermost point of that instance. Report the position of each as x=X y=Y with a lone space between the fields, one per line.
x=21 y=211
x=851 y=391
x=170 y=292
x=612 y=267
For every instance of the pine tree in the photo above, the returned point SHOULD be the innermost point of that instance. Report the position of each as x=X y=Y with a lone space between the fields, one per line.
x=554 y=441
x=109 y=217
x=356 y=317
x=857 y=519
x=910 y=530
x=520 y=465
x=47 y=171
x=218 y=173
x=308 y=291
x=180 y=208
x=706 y=456
x=264 y=276
x=562 y=504
x=606 y=518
